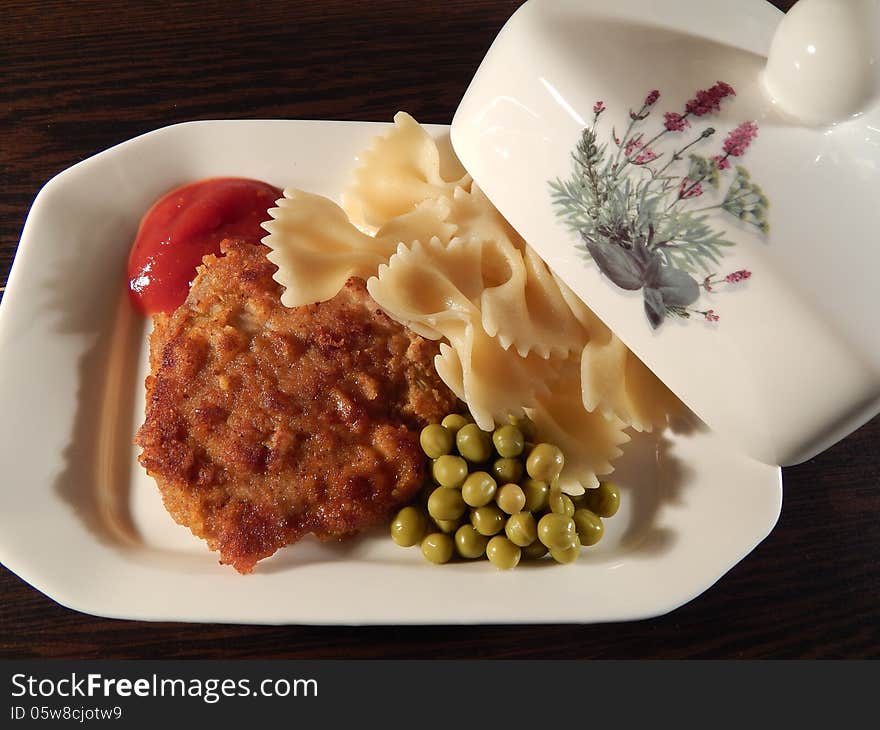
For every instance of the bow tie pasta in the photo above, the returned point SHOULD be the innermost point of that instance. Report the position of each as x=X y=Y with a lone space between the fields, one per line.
x=400 y=170
x=613 y=380
x=434 y=288
x=520 y=302
x=316 y=249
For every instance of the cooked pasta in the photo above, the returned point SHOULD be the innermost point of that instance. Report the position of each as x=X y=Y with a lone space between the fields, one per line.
x=613 y=380
x=399 y=170
x=316 y=248
x=432 y=287
x=494 y=383
x=429 y=219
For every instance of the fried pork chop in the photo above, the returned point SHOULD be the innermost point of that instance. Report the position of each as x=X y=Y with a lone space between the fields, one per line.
x=264 y=423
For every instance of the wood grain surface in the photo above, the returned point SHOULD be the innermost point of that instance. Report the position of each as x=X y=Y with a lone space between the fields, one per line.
x=78 y=77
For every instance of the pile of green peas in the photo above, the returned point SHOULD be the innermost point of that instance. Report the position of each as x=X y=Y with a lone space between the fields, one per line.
x=495 y=495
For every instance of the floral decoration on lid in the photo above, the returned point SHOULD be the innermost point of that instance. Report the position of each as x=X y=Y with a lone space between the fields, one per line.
x=646 y=222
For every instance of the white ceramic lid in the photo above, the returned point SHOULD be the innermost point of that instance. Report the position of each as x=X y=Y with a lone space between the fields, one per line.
x=724 y=234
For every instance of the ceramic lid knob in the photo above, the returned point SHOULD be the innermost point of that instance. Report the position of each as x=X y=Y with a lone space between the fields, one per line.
x=824 y=62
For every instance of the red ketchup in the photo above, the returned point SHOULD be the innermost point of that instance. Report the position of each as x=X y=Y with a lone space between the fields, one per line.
x=187 y=224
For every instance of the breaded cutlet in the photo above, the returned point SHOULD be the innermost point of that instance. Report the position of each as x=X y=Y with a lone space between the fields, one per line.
x=264 y=424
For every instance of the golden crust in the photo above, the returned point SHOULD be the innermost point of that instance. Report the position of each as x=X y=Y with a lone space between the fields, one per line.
x=264 y=423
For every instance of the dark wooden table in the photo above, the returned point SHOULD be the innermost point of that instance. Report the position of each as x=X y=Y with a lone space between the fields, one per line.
x=78 y=77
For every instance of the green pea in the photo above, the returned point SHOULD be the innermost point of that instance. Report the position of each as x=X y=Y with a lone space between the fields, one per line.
x=473 y=443
x=446 y=503
x=526 y=427
x=488 y=520
x=604 y=500
x=535 y=551
x=437 y=547
x=507 y=471
x=454 y=422
x=536 y=495
x=436 y=441
x=589 y=526
x=447 y=526
x=566 y=555
x=478 y=489
x=449 y=471
x=502 y=553
x=509 y=441
x=469 y=542
x=545 y=462
x=560 y=503
x=557 y=532
x=510 y=498
x=408 y=526
x=521 y=529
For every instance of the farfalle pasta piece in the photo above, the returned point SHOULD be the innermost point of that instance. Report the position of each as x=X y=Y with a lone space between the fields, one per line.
x=494 y=382
x=528 y=313
x=400 y=170
x=651 y=404
x=474 y=216
x=603 y=362
x=429 y=219
x=603 y=367
x=520 y=303
x=519 y=300
x=594 y=327
x=614 y=381
x=619 y=385
x=589 y=440
x=316 y=248
x=449 y=368
x=431 y=287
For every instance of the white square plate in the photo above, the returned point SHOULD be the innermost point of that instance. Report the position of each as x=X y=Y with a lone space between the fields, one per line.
x=81 y=521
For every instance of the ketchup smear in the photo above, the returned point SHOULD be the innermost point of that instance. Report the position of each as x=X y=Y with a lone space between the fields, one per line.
x=187 y=224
